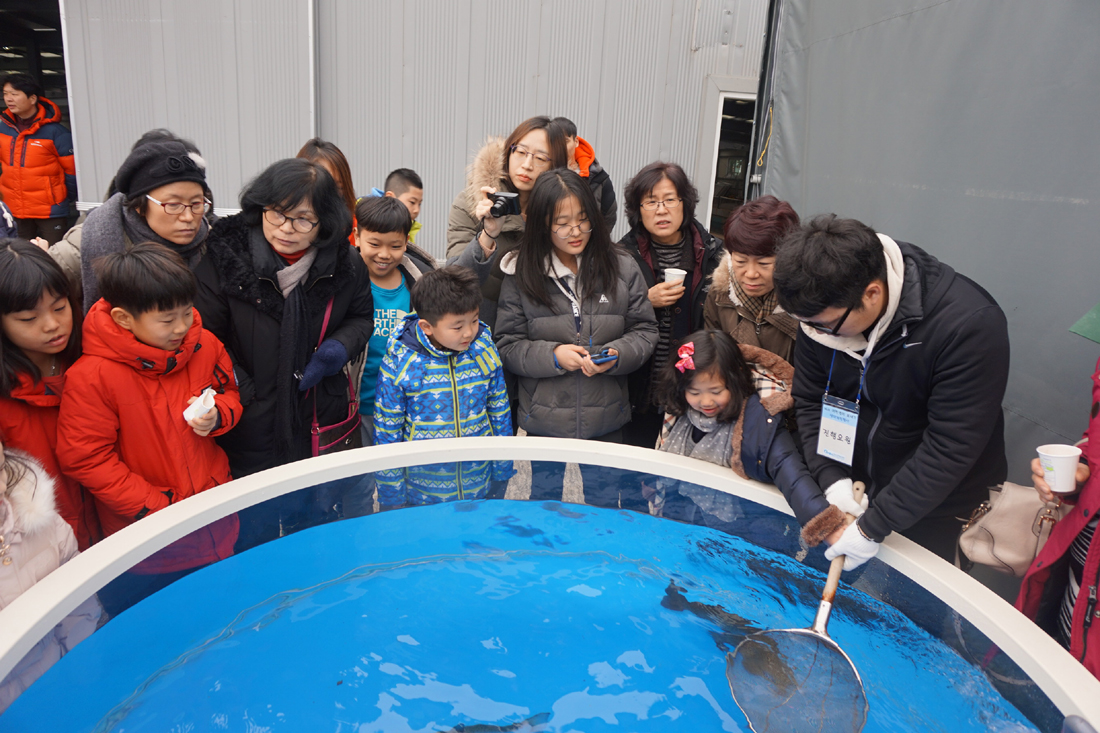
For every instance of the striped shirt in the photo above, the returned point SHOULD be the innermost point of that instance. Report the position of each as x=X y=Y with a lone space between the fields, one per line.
x=1078 y=552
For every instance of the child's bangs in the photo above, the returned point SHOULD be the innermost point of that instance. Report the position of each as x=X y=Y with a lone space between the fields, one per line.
x=25 y=278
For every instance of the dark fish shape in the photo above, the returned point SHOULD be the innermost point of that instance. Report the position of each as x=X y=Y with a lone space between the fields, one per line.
x=734 y=628
x=534 y=724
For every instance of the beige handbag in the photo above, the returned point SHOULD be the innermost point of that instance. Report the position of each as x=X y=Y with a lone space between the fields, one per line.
x=1007 y=532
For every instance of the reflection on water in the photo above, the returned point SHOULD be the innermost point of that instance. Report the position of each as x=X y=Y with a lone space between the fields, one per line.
x=492 y=616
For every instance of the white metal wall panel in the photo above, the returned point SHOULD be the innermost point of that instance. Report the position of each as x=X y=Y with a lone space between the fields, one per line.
x=232 y=76
x=422 y=83
x=401 y=83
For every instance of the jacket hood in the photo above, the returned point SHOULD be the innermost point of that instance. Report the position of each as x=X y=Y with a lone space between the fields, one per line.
x=774 y=368
x=106 y=339
x=47 y=112
x=584 y=155
x=30 y=501
x=487 y=169
x=39 y=395
x=411 y=337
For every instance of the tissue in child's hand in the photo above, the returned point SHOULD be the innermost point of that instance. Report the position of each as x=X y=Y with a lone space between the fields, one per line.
x=201 y=406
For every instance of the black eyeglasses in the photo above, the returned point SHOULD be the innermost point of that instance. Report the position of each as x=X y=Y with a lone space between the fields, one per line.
x=827 y=330
x=278 y=218
x=176 y=209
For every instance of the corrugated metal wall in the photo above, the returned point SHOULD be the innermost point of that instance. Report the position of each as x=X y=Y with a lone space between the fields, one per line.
x=232 y=76
x=421 y=84
x=410 y=83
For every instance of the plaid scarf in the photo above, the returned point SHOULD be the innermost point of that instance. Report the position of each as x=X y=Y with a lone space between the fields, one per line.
x=758 y=308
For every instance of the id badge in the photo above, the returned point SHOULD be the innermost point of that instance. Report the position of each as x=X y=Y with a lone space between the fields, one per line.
x=837 y=436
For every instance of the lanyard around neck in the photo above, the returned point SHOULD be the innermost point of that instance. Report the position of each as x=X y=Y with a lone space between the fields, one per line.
x=862 y=376
x=572 y=301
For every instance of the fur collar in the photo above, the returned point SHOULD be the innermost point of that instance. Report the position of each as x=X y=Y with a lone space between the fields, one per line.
x=722 y=282
x=775 y=366
x=31 y=499
x=487 y=169
x=230 y=252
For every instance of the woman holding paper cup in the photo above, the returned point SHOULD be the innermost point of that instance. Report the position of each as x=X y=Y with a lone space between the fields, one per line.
x=1060 y=589
x=677 y=255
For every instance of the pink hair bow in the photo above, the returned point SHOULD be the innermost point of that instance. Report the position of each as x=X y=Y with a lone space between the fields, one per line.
x=685 y=353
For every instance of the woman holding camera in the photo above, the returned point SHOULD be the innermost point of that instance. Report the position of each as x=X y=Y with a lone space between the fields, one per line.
x=477 y=236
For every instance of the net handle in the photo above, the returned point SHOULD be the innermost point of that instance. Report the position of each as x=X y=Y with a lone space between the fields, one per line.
x=837 y=565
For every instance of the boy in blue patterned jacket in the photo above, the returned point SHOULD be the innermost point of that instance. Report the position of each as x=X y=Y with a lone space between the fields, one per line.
x=441 y=378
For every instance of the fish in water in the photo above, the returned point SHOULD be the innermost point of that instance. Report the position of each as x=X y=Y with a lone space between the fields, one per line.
x=734 y=628
x=534 y=724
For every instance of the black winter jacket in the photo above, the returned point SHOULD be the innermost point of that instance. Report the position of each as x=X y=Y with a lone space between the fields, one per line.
x=705 y=255
x=241 y=304
x=769 y=455
x=930 y=435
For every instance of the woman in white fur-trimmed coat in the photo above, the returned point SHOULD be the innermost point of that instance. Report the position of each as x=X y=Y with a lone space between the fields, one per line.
x=35 y=541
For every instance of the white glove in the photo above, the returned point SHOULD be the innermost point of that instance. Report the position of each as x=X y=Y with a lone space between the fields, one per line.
x=840 y=496
x=856 y=548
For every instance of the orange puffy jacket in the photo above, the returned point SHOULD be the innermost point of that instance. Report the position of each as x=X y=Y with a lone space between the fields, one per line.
x=28 y=422
x=121 y=431
x=37 y=170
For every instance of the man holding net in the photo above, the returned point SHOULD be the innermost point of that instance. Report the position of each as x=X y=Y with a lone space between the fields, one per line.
x=899 y=375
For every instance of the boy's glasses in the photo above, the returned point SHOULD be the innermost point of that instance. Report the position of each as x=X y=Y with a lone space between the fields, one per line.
x=537 y=159
x=175 y=209
x=565 y=230
x=652 y=204
x=278 y=218
x=827 y=330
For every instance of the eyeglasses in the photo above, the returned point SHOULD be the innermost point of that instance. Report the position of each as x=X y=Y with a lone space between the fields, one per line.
x=278 y=218
x=175 y=209
x=565 y=230
x=653 y=204
x=828 y=331
x=538 y=159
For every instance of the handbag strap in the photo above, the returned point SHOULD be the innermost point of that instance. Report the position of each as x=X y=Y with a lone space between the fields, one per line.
x=320 y=340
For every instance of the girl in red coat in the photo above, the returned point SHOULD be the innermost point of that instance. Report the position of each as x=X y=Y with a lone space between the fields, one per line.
x=39 y=340
x=1060 y=589
x=122 y=430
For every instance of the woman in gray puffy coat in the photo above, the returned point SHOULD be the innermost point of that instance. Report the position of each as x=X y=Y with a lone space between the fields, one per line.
x=569 y=294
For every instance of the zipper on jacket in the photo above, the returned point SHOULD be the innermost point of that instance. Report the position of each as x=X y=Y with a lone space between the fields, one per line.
x=1090 y=613
x=458 y=416
x=878 y=418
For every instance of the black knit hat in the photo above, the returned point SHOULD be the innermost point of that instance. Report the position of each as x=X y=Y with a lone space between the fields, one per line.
x=157 y=164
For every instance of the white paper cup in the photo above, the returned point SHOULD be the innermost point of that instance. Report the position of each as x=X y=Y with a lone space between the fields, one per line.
x=201 y=406
x=675 y=275
x=1059 y=464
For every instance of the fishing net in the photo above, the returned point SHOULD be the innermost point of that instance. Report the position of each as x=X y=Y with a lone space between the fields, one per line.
x=796 y=681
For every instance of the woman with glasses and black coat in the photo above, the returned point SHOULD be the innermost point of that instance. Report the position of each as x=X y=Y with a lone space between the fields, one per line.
x=161 y=197
x=475 y=238
x=273 y=278
x=664 y=233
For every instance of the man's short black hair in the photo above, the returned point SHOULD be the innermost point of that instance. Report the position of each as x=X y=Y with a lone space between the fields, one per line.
x=827 y=263
x=24 y=83
x=566 y=125
x=447 y=291
x=401 y=180
x=382 y=215
x=147 y=277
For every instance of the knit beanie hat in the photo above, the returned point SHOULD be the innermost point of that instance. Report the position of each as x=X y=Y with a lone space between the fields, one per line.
x=157 y=164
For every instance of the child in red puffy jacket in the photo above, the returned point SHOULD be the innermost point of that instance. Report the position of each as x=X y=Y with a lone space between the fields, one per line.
x=122 y=431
